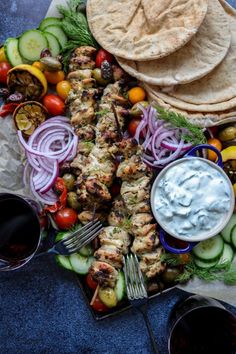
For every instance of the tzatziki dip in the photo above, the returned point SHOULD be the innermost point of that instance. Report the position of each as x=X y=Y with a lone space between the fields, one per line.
x=192 y=198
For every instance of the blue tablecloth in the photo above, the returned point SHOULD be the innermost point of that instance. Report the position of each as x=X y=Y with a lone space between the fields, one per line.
x=42 y=309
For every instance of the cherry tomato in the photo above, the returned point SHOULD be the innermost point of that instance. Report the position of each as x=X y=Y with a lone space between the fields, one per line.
x=54 y=104
x=63 y=88
x=211 y=155
x=4 y=68
x=91 y=283
x=53 y=77
x=39 y=65
x=99 y=306
x=133 y=124
x=66 y=218
x=103 y=55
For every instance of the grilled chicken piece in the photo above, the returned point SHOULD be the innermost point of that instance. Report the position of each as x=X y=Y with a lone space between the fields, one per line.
x=98 y=189
x=110 y=254
x=133 y=168
x=129 y=147
x=146 y=243
x=141 y=224
x=87 y=215
x=85 y=115
x=82 y=58
x=150 y=263
x=78 y=163
x=86 y=132
x=85 y=147
x=118 y=214
x=80 y=74
x=136 y=195
x=115 y=236
x=104 y=273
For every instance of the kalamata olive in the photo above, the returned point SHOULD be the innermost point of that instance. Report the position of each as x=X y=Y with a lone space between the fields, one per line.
x=72 y=200
x=51 y=64
x=69 y=180
x=228 y=133
x=169 y=275
x=97 y=75
x=16 y=97
x=106 y=70
x=45 y=53
x=4 y=93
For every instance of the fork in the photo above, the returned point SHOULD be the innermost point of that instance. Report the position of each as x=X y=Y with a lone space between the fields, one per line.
x=137 y=293
x=76 y=240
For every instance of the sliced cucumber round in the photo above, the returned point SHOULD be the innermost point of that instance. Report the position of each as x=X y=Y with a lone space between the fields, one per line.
x=201 y=264
x=209 y=250
x=58 y=32
x=120 y=288
x=233 y=237
x=86 y=251
x=12 y=52
x=226 y=232
x=64 y=261
x=53 y=43
x=49 y=21
x=31 y=44
x=81 y=264
x=227 y=255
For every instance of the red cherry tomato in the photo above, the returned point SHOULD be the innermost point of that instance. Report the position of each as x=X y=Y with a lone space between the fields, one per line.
x=66 y=218
x=91 y=283
x=54 y=104
x=4 y=68
x=133 y=124
x=99 y=306
x=103 y=55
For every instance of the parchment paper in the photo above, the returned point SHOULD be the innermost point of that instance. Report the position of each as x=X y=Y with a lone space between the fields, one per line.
x=11 y=170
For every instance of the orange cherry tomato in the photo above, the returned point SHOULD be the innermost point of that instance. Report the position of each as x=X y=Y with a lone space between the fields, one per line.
x=39 y=65
x=54 y=104
x=53 y=77
x=211 y=155
x=136 y=94
x=63 y=88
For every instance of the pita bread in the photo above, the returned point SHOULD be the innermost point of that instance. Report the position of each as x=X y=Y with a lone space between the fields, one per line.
x=175 y=102
x=220 y=84
x=144 y=29
x=193 y=61
x=201 y=119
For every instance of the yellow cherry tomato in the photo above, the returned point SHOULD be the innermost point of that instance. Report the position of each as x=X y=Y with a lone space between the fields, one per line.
x=63 y=88
x=211 y=155
x=2 y=55
x=136 y=94
x=53 y=77
x=38 y=65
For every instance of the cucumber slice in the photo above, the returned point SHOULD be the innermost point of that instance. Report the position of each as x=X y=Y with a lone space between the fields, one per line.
x=58 y=32
x=64 y=261
x=120 y=288
x=209 y=250
x=53 y=43
x=227 y=255
x=31 y=44
x=48 y=22
x=226 y=232
x=86 y=251
x=233 y=237
x=81 y=264
x=201 y=264
x=12 y=52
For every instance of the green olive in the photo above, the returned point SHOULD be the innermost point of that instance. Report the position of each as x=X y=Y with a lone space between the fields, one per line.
x=97 y=75
x=108 y=296
x=136 y=111
x=72 y=200
x=69 y=180
x=228 y=133
x=169 y=275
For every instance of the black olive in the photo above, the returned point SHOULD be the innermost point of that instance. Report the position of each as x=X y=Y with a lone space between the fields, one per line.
x=170 y=274
x=106 y=70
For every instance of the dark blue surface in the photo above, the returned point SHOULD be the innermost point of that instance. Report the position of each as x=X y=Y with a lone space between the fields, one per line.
x=42 y=310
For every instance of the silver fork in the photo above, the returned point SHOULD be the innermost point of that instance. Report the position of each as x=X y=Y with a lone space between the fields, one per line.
x=137 y=293
x=76 y=240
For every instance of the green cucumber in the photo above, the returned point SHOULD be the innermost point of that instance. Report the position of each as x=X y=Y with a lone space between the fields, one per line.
x=86 y=251
x=226 y=232
x=31 y=44
x=80 y=264
x=53 y=44
x=227 y=255
x=120 y=288
x=58 y=32
x=210 y=249
x=12 y=52
x=64 y=261
x=233 y=237
x=201 y=264
x=48 y=21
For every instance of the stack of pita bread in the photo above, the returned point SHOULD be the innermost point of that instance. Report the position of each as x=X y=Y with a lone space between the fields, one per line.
x=184 y=52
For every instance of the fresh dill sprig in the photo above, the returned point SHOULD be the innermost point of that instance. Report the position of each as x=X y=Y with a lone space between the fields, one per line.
x=195 y=136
